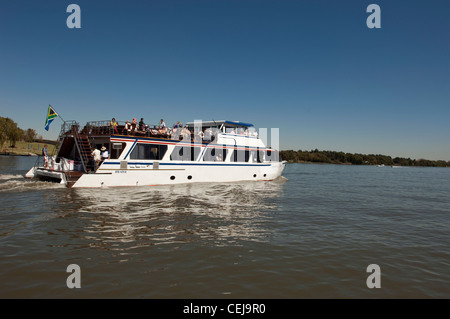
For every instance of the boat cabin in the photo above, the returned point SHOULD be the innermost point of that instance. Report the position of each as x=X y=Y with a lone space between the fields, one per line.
x=199 y=141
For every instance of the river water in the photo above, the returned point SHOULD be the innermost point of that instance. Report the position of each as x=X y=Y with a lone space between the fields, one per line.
x=310 y=234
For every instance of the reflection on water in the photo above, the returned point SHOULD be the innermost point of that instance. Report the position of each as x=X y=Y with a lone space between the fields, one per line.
x=214 y=214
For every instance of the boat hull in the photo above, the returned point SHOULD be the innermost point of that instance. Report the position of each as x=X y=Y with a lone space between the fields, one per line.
x=169 y=174
x=44 y=174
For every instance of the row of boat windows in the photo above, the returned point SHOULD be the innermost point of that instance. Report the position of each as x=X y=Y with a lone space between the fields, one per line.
x=187 y=153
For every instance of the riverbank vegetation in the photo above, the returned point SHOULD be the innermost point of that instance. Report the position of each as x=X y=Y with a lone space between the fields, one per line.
x=16 y=141
x=332 y=157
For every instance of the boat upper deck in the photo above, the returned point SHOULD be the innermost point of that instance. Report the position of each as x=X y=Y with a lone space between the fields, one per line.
x=194 y=131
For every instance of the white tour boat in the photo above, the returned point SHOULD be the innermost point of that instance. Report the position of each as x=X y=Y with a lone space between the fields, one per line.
x=212 y=151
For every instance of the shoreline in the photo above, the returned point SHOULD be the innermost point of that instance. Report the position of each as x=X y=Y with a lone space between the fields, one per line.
x=350 y=164
x=341 y=158
x=16 y=154
x=288 y=162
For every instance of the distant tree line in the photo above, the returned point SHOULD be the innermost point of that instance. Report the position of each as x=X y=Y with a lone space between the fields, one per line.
x=332 y=157
x=11 y=133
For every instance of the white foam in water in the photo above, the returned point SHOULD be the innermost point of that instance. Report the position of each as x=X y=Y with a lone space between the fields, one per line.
x=10 y=176
x=10 y=182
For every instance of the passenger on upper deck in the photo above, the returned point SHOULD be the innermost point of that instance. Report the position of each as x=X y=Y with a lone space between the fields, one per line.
x=207 y=134
x=186 y=133
x=134 y=124
x=127 y=129
x=162 y=128
x=175 y=134
x=154 y=131
x=113 y=125
x=141 y=124
x=198 y=136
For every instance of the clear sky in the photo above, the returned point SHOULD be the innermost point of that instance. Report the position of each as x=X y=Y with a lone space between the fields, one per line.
x=312 y=68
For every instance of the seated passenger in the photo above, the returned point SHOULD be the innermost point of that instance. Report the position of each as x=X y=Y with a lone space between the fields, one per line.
x=175 y=135
x=198 y=136
x=214 y=133
x=146 y=129
x=188 y=133
x=185 y=134
x=207 y=134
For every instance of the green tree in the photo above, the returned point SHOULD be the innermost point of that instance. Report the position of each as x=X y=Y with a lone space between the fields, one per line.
x=316 y=156
x=30 y=135
x=3 y=135
x=16 y=135
x=9 y=131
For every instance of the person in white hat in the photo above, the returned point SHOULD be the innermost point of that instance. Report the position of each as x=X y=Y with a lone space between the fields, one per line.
x=105 y=153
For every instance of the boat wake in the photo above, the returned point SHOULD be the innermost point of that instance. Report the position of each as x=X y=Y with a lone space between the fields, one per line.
x=17 y=183
x=281 y=179
x=220 y=214
x=10 y=176
x=222 y=198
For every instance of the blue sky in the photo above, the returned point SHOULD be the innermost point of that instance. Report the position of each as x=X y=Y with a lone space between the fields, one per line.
x=311 y=68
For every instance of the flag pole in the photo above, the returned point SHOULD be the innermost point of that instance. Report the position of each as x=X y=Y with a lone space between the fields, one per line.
x=55 y=150
x=57 y=113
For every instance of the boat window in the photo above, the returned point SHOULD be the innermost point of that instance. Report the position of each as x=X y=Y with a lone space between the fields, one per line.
x=272 y=156
x=230 y=130
x=185 y=153
x=116 y=150
x=258 y=156
x=215 y=154
x=148 y=151
x=240 y=156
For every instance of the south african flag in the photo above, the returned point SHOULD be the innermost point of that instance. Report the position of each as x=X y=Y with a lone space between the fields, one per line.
x=51 y=114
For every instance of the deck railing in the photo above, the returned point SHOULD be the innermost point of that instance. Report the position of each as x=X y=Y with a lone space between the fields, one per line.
x=69 y=127
x=101 y=128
